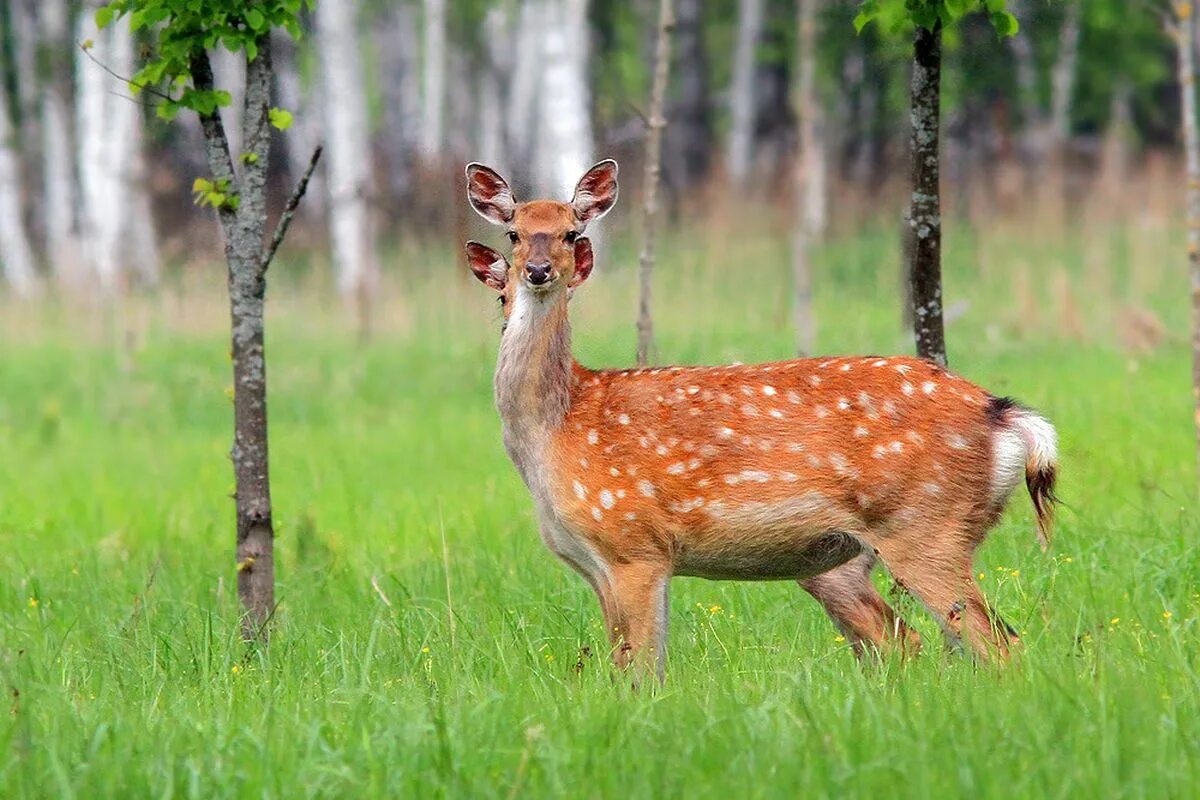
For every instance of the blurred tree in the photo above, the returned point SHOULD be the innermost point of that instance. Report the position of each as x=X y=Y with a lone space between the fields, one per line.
x=925 y=210
x=742 y=90
x=16 y=252
x=433 y=83
x=179 y=73
x=654 y=137
x=689 y=136
x=355 y=257
x=58 y=147
x=1184 y=30
x=808 y=201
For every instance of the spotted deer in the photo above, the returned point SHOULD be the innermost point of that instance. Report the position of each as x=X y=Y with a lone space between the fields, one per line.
x=808 y=469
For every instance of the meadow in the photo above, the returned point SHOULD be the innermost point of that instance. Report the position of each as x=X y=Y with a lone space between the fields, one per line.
x=427 y=644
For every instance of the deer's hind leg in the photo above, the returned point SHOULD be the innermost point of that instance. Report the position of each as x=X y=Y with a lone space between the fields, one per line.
x=935 y=562
x=857 y=609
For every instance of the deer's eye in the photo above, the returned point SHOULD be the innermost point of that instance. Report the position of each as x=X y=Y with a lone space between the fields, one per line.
x=512 y=236
x=502 y=300
x=571 y=236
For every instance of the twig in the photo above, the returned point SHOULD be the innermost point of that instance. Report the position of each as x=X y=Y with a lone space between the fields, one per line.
x=289 y=211
x=139 y=86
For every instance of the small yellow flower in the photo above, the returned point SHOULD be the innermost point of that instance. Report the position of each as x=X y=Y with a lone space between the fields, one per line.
x=424 y=649
x=714 y=609
x=74 y=570
x=1016 y=573
x=1114 y=620
x=1068 y=559
x=236 y=669
x=981 y=576
x=1166 y=615
x=840 y=639
x=33 y=602
x=549 y=656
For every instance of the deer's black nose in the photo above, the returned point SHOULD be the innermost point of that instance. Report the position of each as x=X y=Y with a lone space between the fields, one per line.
x=538 y=273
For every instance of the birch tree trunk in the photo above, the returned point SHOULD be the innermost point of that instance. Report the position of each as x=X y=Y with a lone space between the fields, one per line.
x=304 y=102
x=1026 y=73
x=654 y=137
x=741 y=92
x=16 y=253
x=564 y=142
x=808 y=200
x=1185 y=23
x=398 y=49
x=526 y=81
x=497 y=27
x=433 y=80
x=23 y=14
x=1062 y=79
x=58 y=147
x=925 y=271
x=354 y=256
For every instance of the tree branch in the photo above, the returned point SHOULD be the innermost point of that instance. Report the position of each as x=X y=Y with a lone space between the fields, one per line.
x=141 y=87
x=217 y=145
x=289 y=210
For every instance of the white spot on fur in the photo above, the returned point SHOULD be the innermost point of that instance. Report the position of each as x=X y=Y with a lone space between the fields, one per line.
x=814 y=380
x=693 y=389
x=897 y=447
x=931 y=488
x=596 y=515
x=795 y=447
x=907 y=388
x=843 y=404
x=756 y=476
x=845 y=367
x=821 y=412
x=776 y=413
x=630 y=515
x=661 y=450
x=725 y=398
x=725 y=433
x=769 y=391
x=749 y=410
x=928 y=387
x=620 y=494
x=675 y=469
x=793 y=398
x=606 y=498
x=790 y=477
x=880 y=363
x=593 y=437
x=646 y=488
x=580 y=490
x=708 y=451
x=623 y=419
x=956 y=441
x=746 y=390
x=614 y=471
x=860 y=431
x=813 y=461
x=703 y=482
x=903 y=369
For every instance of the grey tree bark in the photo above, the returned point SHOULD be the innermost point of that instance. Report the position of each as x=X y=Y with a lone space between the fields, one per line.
x=16 y=252
x=925 y=216
x=525 y=82
x=809 y=190
x=434 y=60
x=741 y=92
x=654 y=137
x=497 y=28
x=354 y=254
x=1184 y=32
x=247 y=259
x=58 y=146
x=1032 y=121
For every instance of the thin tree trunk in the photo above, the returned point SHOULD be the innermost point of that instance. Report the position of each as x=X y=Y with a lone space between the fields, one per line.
x=808 y=199
x=16 y=253
x=433 y=80
x=23 y=15
x=1184 y=13
x=354 y=254
x=1026 y=73
x=1062 y=93
x=58 y=153
x=925 y=210
x=742 y=91
x=525 y=82
x=243 y=229
x=496 y=67
x=103 y=208
x=654 y=137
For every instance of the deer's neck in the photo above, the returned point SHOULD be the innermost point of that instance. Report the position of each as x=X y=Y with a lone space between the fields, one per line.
x=534 y=374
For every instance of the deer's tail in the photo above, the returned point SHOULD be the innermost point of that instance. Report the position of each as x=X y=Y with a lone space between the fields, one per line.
x=1026 y=440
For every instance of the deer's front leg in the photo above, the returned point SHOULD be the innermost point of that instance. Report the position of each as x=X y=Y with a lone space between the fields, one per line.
x=634 y=601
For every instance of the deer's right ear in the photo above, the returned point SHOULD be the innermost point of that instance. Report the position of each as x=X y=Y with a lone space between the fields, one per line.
x=489 y=194
x=489 y=267
x=596 y=192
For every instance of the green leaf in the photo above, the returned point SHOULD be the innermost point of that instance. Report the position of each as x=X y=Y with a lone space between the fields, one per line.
x=249 y=158
x=280 y=118
x=167 y=110
x=1005 y=23
x=104 y=15
x=256 y=20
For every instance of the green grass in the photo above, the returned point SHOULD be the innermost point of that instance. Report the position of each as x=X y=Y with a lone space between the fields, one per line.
x=427 y=644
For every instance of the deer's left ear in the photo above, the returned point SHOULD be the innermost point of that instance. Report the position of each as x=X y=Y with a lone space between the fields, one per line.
x=596 y=192
x=489 y=267
x=489 y=194
x=584 y=261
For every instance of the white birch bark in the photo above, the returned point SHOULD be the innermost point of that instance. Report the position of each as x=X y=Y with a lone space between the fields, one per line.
x=1062 y=78
x=16 y=252
x=24 y=17
x=564 y=142
x=58 y=148
x=347 y=141
x=434 y=61
x=1185 y=27
x=741 y=90
x=809 y=178
x=525 y=82
x=497 y=26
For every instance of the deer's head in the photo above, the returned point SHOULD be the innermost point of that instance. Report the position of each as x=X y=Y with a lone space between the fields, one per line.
x=547 y=236
x=493 y=270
